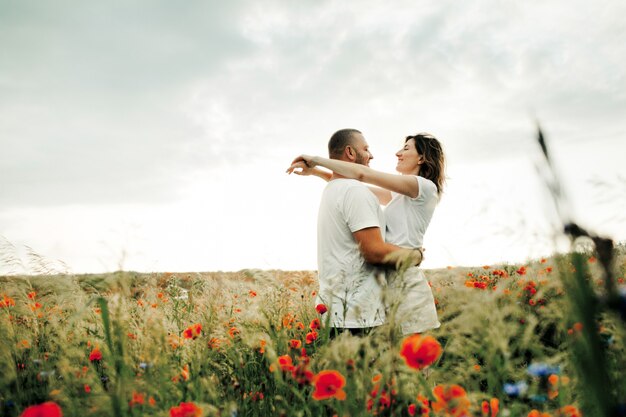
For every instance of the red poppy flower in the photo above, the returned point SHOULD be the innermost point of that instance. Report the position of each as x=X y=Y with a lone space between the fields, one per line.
x=451 y=399
x=295 y=344
x=286 y=363
x=192 y=331
x=7 y=301
x=420 y=351
x=47 y=409
x=138 y=398
x=95 y=354
x=315 y=324
x=321 y=308
x=329 y=384
x=186 y=410
x=311 y=337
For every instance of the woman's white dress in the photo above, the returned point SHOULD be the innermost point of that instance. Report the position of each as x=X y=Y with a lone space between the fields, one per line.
x=409 y=298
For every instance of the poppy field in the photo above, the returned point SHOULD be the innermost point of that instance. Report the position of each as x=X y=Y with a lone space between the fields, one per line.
x=541 y=339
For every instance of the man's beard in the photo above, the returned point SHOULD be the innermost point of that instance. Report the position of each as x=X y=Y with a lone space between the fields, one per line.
x=360 y=160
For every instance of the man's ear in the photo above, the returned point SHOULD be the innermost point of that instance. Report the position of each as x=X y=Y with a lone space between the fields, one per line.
x=350 y=152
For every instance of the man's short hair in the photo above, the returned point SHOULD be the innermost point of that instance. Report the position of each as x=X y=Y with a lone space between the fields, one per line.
x=339 y=140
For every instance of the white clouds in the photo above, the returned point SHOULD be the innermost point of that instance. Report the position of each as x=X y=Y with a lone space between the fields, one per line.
x=152 y=103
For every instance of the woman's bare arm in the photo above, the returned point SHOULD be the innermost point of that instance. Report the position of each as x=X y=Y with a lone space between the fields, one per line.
x=402 y=184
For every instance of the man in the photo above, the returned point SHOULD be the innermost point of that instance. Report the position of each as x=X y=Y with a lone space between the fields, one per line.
x=350 y=241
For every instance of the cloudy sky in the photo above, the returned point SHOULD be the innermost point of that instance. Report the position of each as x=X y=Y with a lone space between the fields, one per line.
x=154 y=135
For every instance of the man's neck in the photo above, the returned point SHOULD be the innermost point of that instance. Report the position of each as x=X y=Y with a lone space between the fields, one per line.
x=337 y=176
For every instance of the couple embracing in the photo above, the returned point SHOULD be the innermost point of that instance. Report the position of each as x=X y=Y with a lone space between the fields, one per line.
x=363 y=252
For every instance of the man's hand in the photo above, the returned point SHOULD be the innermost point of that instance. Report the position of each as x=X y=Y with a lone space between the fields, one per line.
x=405 y=257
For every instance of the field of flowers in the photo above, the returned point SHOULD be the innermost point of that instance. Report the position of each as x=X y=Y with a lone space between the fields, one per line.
x=515 y=340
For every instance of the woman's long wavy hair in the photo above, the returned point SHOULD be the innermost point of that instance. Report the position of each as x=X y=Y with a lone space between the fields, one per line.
x=434 y=164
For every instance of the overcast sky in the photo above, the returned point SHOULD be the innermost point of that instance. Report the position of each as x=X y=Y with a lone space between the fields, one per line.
x=154 y=135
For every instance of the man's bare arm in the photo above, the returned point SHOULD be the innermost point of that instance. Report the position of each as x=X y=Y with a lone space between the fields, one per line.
x=378 y=252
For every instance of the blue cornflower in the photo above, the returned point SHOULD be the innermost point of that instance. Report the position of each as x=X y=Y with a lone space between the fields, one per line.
x=515 y=389
x=542 y=370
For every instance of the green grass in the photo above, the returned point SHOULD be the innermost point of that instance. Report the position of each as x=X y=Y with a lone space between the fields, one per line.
x=496 y=322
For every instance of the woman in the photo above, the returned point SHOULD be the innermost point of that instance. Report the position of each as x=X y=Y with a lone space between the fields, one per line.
x=410 y=200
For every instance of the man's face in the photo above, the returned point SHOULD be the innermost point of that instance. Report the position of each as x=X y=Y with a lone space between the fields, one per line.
x=361 y=148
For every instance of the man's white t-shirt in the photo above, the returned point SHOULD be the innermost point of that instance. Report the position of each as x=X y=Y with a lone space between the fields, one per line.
x=407 y=218
x=348 y=285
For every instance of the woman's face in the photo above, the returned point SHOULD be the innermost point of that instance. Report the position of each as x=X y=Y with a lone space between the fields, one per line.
x=409 y=160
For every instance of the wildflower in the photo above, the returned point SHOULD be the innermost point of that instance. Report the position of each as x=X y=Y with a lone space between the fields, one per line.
x=570 y=411
x=494 y=405
x=451 y=399
x=521 y=270
x=536 y=413
x=288 y=320
x=95 y=354
x=252 y=293
x=286 y=363
x=7 y=301
x=315 y=324
x=32 y=295
x=214 y=343
x=186 y=410
x=420 y=351
x=412 y=409
x=233 y=332
x=87 y=388
x=542 y=370
x=184 y=373
x=295 y=344
x=25 y=344
x=47 y=409
x=262 y=344
x=138 y=399
x=553 y=379
x=383 y=398
x=424 y=404
x=484 y=408
x=255 y=396
x=321 y=308
x=301 y=374
x=515 y=389
x=192 y=331
x=310 y=337
x=329 y=384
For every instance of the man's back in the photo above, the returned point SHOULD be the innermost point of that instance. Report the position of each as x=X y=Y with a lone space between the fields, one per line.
x=348 y=285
